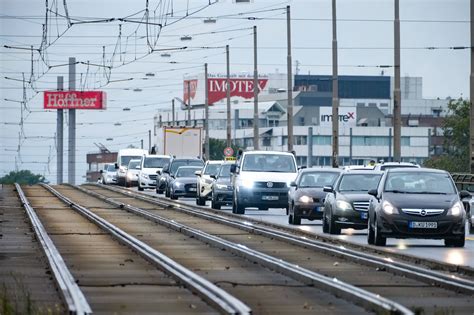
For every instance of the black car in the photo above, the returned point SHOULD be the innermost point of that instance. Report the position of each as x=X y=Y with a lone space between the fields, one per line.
x=163 y=182
x=347 y=203
x=222 y=191
x=417 y=203
x=183 y=183
x=306 y=195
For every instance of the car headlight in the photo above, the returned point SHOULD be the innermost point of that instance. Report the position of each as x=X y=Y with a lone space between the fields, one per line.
x=220 y=186
x=177 y=184
x=456 y=209
x=247 y=183
x=343 y=205
x=145 y=176
x=388 y=208
x=305 y=199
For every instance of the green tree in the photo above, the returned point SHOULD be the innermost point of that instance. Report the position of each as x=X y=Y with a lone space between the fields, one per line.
x=456 y=156
x=217 y=146
x=23 y=177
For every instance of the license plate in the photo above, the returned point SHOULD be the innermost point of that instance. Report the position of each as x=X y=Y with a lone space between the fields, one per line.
x=269 y=197
x=192 y=189
x=423 y=225
x=364 y=215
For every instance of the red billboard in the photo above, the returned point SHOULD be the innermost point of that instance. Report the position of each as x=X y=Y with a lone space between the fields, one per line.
x=240 y=87
x=74 y=100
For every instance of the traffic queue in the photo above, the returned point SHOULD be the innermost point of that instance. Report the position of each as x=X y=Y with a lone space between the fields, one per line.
x=389 y=200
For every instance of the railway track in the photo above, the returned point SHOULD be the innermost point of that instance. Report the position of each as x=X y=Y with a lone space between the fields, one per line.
x=418 y=289
x=118 y=279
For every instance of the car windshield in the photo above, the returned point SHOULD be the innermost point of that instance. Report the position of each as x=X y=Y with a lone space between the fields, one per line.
x=225 y=170
x=359 y=182
x=110 y=168
x=419 y=183
x=212 y=169
x=124 y=160
x=133 y=164
x=186 y=171
x=318 y=179
x=176 y=164
x=155 y=162
x=269 y=163
x=386 y=167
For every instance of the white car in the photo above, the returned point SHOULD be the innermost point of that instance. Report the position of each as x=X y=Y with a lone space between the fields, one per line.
x=131 y=176
x=262 y=179
x=123 y=158
x=204 y=181
x=149 y=166
x=108 y=175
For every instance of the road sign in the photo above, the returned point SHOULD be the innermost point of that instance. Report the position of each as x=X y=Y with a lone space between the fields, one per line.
x=228 y=151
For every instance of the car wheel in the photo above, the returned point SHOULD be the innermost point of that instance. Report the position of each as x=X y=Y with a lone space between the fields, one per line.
x=167 y=192
x=173 y=196
x=200 y=201
x=140 y=188
x=470 y=227
x=457 y=242
x=287 y=210
x=325 y=225
x=290 y=219
x=333 y=227
x=296 y=220
x=370 y=234
x=379 y=240
x=237 y=208
x=215 y=205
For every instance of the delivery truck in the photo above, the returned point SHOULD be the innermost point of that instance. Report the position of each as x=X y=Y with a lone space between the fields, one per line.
x=179 y=141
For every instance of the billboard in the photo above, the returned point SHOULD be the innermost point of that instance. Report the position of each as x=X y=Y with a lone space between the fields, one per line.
x=74 y=100
x=241 y=87
x=347 y=116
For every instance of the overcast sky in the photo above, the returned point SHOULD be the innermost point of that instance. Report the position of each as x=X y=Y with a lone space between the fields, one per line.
x=365 y=39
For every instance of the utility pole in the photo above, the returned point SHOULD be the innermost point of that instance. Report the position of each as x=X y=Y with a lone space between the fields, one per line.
x=471 y=92
x=397 y=95
x=149 y=141
x=189 y=103
x=289 y=111
x=206 y=113
x=229 y=123
x=72 y=126
x=255 y=91
x=172 y=113
x=59 y=137
x=335 y=92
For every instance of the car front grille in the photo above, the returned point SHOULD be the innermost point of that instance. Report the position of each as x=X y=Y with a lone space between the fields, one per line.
x=422 y=212
x=268 y=184
x=361 y=205
x=153 y=177
x=189 y=186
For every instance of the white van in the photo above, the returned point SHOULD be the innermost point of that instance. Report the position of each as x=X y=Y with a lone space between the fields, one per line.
x=123 y=158
x=150 y=165
x=262 y=179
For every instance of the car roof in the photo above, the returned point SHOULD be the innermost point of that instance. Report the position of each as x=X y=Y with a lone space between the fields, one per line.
x=189 y=166
x=416 y=170
x=268 y=152
x=187 y=159
x=215 y=162
x=320 y=170
x=367 y=171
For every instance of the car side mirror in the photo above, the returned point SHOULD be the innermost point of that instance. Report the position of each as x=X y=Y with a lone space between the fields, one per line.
x=116 y=166
x=101 y=171
x=213 y=176
x=198 y=173
x=373 y=192
x=158 y=172
x=233 y=168
x=464 y=194
x=328 y=189
x=302 y=167
x=293 y=184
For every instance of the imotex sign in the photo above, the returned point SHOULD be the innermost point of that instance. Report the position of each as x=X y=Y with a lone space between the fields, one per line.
x=74 y=100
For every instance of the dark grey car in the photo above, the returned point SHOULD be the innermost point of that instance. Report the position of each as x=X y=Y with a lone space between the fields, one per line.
x=347 y=203
x=306 y=195
x=222 y=191
x=163 y=182
x=417 y=203
x=183 y=182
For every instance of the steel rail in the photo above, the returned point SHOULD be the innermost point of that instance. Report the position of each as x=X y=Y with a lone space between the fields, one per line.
x=425 y=275
x=366 y=299
x=223 y=301
x=70 y=291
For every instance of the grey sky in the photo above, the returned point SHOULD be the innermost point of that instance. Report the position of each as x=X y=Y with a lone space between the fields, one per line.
x=365 y=38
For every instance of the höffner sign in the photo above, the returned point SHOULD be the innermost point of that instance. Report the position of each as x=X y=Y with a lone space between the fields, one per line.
x=74 y=100
x=241 y=87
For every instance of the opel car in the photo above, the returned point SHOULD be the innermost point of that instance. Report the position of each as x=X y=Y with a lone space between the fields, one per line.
x=347 y=202
x=417 y=203
x=306 y=195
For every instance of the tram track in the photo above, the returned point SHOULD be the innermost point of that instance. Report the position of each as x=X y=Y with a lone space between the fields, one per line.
x=413 y=287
